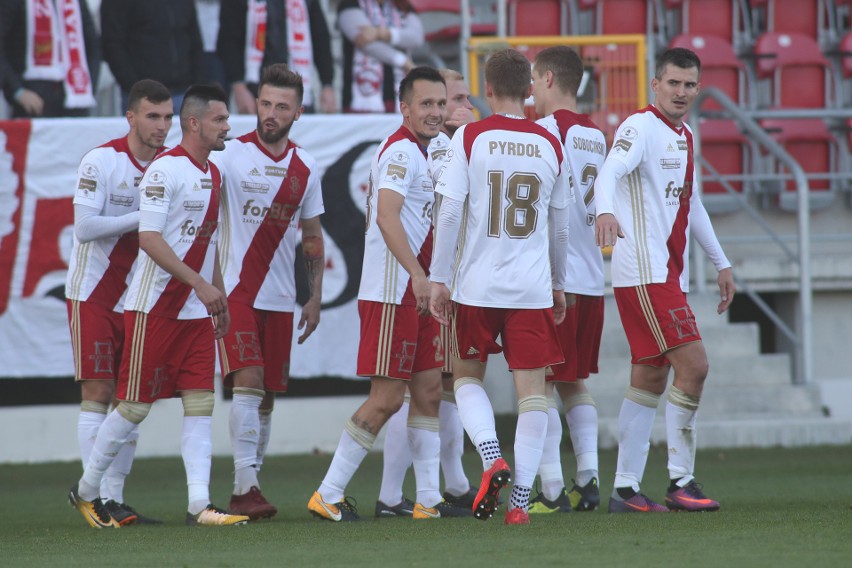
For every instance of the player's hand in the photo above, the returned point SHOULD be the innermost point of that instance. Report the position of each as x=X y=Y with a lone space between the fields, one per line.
x=245 y=101
x=310 y=318
x=212 y=298
x=221 y=323
x=327 y=100
x=606 y=230
x=31 y=102
x=558 y=306
x=460 y=117
x=420 y=287
x=727 y=289
x=439 y=302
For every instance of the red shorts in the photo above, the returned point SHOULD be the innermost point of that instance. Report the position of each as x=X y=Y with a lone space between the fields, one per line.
x=529 y=336
x=257 y=338
x=580 y=339
x=656 y=319
x=164 y=356
x=97 y=336
x=396 y=342
x=445 y=334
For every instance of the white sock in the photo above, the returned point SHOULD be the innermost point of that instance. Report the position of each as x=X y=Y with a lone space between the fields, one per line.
x=452 y=449
x=196 y=448
x=550 y=469
x=111 y=436
x=529 y=442
x=88 y=424
x=582 y=421
x=426 y=456
x=263 y=438
x=681 y=410
x=347 y=457
x=244 y=424
x=477 y=416
x=635 y=422
x=396 y=458
x=112 y=485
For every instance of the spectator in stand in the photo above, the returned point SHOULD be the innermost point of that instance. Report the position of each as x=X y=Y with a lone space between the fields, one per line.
x=154 y=39
x=254 y=34
x=378 y=37
x=212 y=69
x=42 y=72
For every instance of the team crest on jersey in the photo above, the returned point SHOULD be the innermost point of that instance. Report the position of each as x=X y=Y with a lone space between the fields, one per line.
x=89 y=170
x=190 y=205
x=207 y=183
x=395 y=172
x=295 y=185
x=670 y=163
x=137 y=180
x=681 y=145
x=275 y=171
x=155 y=192
x=622 y=146
x=628 y=133
x=121 y=200
x=590 y=219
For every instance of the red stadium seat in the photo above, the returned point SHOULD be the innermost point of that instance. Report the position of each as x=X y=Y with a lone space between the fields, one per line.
x=442 y=20
x=720 y=66
x=725 y=148
x=620 y=16
x=720 y=18
x=800 y=75
x=538 y=17
x=806 y=17
x=811 y=144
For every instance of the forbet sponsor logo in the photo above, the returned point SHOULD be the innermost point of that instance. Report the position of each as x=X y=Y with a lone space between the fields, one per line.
x=205 y=230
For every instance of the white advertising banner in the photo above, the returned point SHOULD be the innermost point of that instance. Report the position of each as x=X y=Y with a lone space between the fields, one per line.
x=38 y=163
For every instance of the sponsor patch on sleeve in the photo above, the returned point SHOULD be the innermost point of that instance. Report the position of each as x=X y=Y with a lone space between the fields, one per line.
x=622 y=146
x=395 y=172
x=86 y=188
x=155 y=191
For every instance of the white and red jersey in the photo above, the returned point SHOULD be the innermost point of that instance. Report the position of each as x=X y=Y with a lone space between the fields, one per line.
x=585 y=148
x=652 y=199
x=107 y=180
x=263 y=199
x=436 y=154
x=510 y=171
x=187 y=193
x=400 y=166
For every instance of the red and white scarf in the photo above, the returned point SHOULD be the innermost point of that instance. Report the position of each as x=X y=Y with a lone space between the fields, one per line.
x=300 y=52
x=368 y=72
x=56 y=50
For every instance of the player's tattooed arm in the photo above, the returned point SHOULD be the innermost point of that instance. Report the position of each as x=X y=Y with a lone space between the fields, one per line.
x=313 y=250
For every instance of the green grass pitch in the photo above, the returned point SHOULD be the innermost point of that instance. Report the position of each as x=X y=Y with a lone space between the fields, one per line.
x=780 y=507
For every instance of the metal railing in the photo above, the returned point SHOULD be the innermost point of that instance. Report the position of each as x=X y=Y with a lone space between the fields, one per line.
x=802 y=337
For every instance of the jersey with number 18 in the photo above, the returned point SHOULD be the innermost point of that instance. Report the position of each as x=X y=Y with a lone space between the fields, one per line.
x=510 y=171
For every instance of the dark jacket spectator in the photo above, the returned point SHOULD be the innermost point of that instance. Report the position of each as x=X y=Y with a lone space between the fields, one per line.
x=152 y=39
x=38 y=97
x=231 y=48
